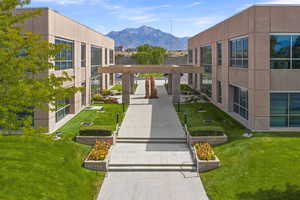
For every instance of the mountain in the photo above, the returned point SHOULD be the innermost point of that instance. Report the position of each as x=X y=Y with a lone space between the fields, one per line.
x=133 y=37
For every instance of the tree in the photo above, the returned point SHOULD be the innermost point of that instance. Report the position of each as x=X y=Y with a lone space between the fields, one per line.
x=147 y=54
x=25 y=59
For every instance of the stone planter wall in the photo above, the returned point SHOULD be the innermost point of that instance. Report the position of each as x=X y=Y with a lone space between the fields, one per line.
x=206 y=165
x=99 y=165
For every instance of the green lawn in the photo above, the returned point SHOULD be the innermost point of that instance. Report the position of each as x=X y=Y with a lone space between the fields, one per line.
x=36 y=167
x=117 y=87
x=264 y=167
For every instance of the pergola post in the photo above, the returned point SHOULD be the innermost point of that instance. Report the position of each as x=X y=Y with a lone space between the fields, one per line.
x=170 y=80
x=176 y=87
x=126 y=88
x=132 y=83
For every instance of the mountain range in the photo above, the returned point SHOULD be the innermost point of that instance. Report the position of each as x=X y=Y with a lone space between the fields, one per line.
x=133 y=37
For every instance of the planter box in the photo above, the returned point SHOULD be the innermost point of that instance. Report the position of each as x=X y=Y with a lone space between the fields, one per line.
x=212 y=140
x=206 y=165
x=91 y=140
x=99 y=165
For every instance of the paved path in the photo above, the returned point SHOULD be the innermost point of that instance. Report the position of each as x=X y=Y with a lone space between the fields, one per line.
x=151 y=119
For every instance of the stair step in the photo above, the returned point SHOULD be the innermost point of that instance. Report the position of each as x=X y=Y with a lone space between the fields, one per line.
x=151 y=138
x=151 y=141
x=151 y=165
x=152 y=168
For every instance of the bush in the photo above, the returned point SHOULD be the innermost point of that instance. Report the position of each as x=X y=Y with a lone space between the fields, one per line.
x=105 y=92
x=95 y=131
x=97 y=97
x=204 y=151
x=99 y=151
x=206 y=131
x=110 y=100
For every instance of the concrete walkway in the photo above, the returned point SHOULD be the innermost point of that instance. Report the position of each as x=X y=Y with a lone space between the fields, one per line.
x=151 y=119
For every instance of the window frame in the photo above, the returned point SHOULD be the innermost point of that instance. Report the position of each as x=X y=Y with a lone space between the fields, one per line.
x=291 y=59
x=233 y=54
x=238 y=104
x=60 y=59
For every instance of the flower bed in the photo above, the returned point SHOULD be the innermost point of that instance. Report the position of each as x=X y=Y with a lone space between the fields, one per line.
x=206 y=158
x=97 y=158
x=208 y=134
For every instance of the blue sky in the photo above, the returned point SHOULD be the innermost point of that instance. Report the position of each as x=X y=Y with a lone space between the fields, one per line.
x=188 y=17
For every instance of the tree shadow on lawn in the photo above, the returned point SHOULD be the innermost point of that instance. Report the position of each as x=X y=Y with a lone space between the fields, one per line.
x=292 y=192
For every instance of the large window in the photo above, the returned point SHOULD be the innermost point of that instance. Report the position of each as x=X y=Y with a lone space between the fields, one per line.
x=64 y=59
x=240 y=101
x=239 y=52
x=285 y=51
x=219 y=53
x=285 y=109
x=190 y=55
x=206 y=62
x=106 y=54
x=219 y=91
x=111 y=56
x=62 y=109
x=83 y=55
x=83 y=94
x=196 y=56
x=96 y=59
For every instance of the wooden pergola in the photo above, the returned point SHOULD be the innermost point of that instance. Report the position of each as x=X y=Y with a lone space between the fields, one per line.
x=174 y=73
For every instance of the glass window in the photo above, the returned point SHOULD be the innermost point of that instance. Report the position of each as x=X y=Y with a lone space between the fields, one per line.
x=206 y=63
x=196 y=56
x=64 y=59
x=111 y=56
x=285 y=51
x=62 y=108
x=239 y=52
x=219 y=91
x=285 y=109
x=219 y=53
x=280 y=46
x=83 y=94
x=83 y=55
x=190 y=55
x=106 y=54
x=240 y=101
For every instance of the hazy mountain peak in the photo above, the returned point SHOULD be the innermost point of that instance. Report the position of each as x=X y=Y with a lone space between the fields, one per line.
x=133 y=37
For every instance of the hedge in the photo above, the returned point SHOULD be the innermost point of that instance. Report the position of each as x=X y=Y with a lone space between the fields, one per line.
x=95 y=131
x=206 y=131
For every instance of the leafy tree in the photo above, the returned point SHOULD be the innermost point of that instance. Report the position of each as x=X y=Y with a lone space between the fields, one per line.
x=25 y=59
x=147 y=54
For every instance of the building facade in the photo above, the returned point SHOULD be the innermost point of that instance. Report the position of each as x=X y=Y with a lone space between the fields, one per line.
x=250 y=66
x=88 y=51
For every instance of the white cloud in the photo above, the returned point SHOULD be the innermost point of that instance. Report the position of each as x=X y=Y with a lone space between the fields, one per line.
x=63 y=2
x=196 y=3
x=281 y=2
x=202 y=22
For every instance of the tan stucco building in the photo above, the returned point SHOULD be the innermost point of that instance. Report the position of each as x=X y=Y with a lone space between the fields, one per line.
x=250 y=66
x=89 y=50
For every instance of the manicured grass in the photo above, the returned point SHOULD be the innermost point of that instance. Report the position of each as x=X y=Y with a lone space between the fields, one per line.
x=264 y=167
x=151 y=74
x=36 y=167
x=117 y=87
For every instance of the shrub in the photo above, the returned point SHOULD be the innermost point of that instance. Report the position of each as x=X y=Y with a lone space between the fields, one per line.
x=99 y=151
x=105 y=92
x=98 y=97
x=206 y=131
x=95 y=131
x=204 y=151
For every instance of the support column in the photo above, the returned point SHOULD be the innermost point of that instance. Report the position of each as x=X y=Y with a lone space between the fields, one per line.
x=176 y=87
x=131 y=83
x=126 y=88
x=170 y=83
